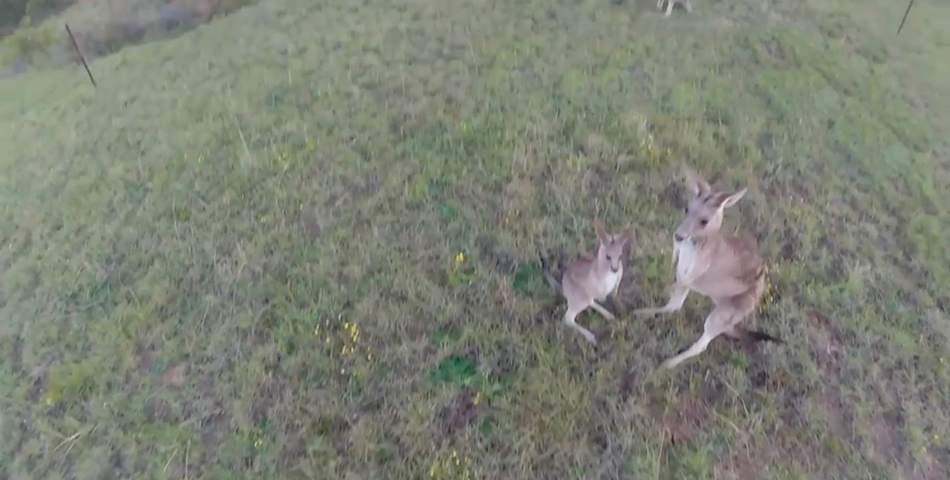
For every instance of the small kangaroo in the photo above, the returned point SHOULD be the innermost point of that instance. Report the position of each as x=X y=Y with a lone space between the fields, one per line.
x=728 y=269
x=669 y=6
x=590 y=280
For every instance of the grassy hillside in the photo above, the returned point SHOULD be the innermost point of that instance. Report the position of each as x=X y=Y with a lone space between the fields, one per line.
x=301 y=242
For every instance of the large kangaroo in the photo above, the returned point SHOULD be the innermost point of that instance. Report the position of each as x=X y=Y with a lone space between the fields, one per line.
x=725 y=268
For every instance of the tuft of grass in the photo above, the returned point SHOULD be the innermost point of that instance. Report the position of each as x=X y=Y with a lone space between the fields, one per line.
x=310 y=251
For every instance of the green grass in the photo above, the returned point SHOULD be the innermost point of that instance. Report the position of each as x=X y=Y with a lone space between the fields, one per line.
x=239 y=258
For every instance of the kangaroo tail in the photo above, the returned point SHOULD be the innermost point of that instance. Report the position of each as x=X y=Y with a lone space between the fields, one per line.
x=548 y=276
x=757 y=336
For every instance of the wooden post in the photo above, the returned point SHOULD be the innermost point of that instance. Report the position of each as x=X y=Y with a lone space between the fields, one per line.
x=909 y=4
x=82 y=59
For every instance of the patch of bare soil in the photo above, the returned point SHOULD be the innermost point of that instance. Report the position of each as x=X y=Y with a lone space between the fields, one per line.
x=629 y=293
x=460 y=412
x=829 y=346
x=547 y=319
x=775 y=50
x=16 y=353
x=674 y=195
x=146 y=354
x=596 y=181
x=787 y=188
x=604 y=416
x=828 y=351
x=214 y=427
x=887 y=423
x=684 y=421
x=592 y=144
x=791 y=244
x=840 y=416
x=887 y=442
x=503 y=361
x=157 y=410
x=738 y=466
x=640 y=74
x=750 y=459
x=311 y=221
x=503 y=260
x=336 y=427
x=516 y=196
x=176 y=376
x=39 y=377
x=630 y=384
x=409 y=123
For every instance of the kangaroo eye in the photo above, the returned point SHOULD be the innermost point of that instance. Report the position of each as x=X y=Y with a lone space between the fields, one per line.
x=609 y=258
x=703 y=222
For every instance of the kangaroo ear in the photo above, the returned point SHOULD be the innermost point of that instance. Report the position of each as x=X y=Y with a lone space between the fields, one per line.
x=601 y=233
x=727 y=199
x=696 y=183
x=626 y=238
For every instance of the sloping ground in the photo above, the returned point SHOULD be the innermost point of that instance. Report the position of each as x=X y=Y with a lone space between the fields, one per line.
x=308 y=250
x=103 y=27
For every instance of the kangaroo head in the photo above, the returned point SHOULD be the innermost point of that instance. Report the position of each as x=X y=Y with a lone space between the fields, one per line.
x=610 y=250
x=704 y=213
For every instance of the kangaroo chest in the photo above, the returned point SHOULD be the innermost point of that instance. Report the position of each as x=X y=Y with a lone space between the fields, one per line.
x=688 y=267
x=608 y=282
x=705 y=272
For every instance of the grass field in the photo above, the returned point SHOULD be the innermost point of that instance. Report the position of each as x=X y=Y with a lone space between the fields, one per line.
x=302 y=242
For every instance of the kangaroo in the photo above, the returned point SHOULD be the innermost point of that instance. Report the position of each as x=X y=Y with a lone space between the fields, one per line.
x=590 y=280
x=669 y=6
x=727 y=269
